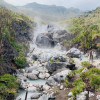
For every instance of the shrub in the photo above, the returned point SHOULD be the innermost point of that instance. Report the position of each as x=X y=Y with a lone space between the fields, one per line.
x=8 y=86
x=68 y=84
x=20 y=61
x=95 y=81
x=79 y=71
x=79 y=86
x=85 y=63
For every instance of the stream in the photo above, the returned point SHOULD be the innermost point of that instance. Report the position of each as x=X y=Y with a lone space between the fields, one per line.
x=34 y=77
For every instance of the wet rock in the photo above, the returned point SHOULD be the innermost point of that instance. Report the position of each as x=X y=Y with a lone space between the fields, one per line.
x=34 y=57
x=74 y=53
x=36 y=96
x=98 y=97
x=31 y=89
x=60 y=77
x=47 y=75
x=42 y=76
x=55 y=66
x=43 y=97
x=51 y=81
x=32 y=76
x=57 y=78
x=46 y=87
x=45 y=40
x=52 y=96
x=30 y=69
x=21 y=77
x=61 y=87
x=70 y=94
x=91 y=94
x=82 y=96
x=35 y=72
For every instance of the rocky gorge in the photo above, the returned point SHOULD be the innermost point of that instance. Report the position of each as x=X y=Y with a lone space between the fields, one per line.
x=49 y=65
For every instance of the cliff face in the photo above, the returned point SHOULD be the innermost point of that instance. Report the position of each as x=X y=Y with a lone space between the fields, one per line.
x=15 y=32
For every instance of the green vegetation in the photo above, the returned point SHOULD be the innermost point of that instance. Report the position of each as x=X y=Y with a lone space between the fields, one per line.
x=20 y=61
x=90 y=78
x=87 y=30
x=51 y=60
x=8 y=32
x=8 y=87
x=71 y=60
x=85 y=63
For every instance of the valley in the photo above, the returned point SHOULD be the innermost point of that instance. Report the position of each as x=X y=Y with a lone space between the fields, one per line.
x=49 y=52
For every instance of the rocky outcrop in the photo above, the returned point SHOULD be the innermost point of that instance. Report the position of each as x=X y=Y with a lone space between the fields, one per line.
x=57 y=78
x=22 y=30
x=52 y=67
x=45 y=40
x=74 y=53
x=7 y=63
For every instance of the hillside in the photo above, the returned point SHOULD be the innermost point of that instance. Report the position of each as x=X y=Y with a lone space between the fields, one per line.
x=49 y=12
x=87 y=30
x=14 y=32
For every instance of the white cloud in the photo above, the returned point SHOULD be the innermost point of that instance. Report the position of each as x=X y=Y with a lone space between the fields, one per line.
x=82 y=4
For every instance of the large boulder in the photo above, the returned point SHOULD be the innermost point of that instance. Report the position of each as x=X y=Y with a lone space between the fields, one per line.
x=32 y=89
x=52 y=67
x=74 y=53
x=45 y=40
x=32 y=76
x=60 y=35
x=35 y=96
x=58 y=78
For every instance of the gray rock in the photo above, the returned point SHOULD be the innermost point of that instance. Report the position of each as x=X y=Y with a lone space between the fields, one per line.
x=70 y=94
x=36 y=96
x=46 y=87
x=52 y=96
x=74 y=53
x=51 y=81
x=61 y=87
x=43 y=97
x=34 y=57
x=35 y=72
x=82 y=96
x=42 y=75
x=45 y=40
x=91 y=94
x=32 y=89
x=32 y=76
x=98 y=97
x=60 y=77
x=21 y=77
x=55 y=66
x=57 y=78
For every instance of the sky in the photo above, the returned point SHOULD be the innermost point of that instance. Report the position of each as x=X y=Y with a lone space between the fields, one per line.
x=81 y=4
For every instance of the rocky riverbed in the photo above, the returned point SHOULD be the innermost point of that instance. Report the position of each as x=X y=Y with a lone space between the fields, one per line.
x=48 y=67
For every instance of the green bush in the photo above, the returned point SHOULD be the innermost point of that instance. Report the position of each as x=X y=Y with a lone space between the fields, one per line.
x=78 y=71
x=20 y=61
x=8 y=86
x=85 y=63
x=68 y=84
x=95 y=81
